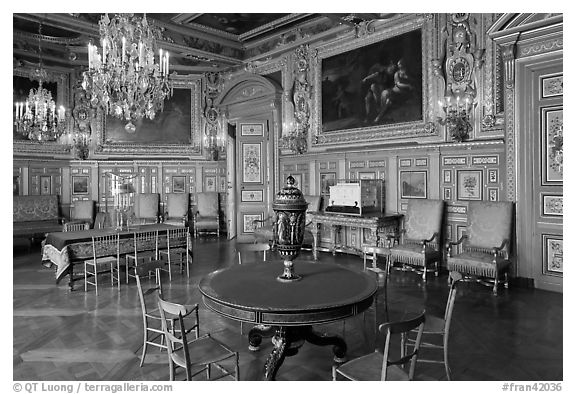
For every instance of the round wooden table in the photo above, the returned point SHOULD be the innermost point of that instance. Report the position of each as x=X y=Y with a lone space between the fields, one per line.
x=251 y=293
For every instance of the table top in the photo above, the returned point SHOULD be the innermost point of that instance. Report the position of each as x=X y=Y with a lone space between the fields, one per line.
x=251 y=293
x=60 y=239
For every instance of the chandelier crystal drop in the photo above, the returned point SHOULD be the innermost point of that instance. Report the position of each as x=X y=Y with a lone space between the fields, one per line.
x=129 y=79
x=37 y=118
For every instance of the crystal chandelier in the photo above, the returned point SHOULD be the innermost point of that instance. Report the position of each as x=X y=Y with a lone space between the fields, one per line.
x=37 y=118
x=127 y=79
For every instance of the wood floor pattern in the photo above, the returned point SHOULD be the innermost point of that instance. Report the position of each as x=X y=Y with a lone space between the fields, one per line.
x=63 y=335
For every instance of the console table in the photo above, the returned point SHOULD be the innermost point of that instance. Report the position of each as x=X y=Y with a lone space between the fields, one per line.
x=386 y=223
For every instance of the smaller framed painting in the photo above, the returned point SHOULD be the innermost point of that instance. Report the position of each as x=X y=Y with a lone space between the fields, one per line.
x=178 y=184
x=327 y=179
x=79 y=185
x=406 y=163
x=469 y=185
x=492 y=194
x=553 y=254
x=210 y=183
x=45 y=185
x=447 y=193
x=248 y=225
x=447 y=176
x=413 y=184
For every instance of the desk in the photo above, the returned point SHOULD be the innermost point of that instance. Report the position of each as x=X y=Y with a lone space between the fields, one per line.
x=63 y=248
x=375 y=223
x=251 y=293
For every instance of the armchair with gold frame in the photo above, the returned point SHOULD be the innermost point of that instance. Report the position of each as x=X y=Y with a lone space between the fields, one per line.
x=264 y=232
x=418 y=247
x=485 y=246
x=207 y=214
x=177 y=207
x=82 y=212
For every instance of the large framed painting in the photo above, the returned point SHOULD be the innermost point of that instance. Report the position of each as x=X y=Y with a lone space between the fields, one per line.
x=375 y=87
x=173 y=131
x=57 y=83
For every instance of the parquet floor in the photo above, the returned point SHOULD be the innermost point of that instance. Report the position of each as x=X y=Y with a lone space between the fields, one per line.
x=63 y=335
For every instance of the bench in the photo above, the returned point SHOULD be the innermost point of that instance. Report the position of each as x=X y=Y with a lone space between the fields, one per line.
x=34 y=216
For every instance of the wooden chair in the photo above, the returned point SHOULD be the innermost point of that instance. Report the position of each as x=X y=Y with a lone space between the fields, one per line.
x=378 y=365
x=146 y=208
x=108 y=248
x=83 y=211
x=145 y=249
x=75 y=226
x=485 y=246
x=178 y=249
x=102 y=220
x=151 y=320
x=372 y=252
x=418 y=247
x=207 y=215
x=439 y=326
x=204 y=351
x=252 y=249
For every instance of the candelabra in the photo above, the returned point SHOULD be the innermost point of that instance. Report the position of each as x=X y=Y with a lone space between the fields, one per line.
x=457 y=114
x=127 y=79
x=214 y=145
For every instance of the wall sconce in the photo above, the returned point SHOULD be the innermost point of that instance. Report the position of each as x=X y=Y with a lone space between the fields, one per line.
x=214 y=144
x=295 y=140
x=457 y=116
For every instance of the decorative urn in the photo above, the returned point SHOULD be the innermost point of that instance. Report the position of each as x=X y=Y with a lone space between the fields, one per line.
x=290 y=209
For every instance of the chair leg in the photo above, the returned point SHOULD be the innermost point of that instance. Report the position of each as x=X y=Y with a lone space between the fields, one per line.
x=85 y=277
x=334 y=373
x=144 y=347
x=436 y=268
x=495 y=287
x=237 y=368
x=424 y=270
x=446 y=365
x=505 y=280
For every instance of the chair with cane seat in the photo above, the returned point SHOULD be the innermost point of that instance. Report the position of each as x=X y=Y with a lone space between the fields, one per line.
x=378 y=365
x=177 y=250
x=372 y=252
x=105 y=253
x=202 y=352
x=145 y=249
x=439 y=326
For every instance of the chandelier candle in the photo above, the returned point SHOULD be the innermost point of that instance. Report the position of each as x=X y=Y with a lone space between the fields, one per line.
x=128 y=83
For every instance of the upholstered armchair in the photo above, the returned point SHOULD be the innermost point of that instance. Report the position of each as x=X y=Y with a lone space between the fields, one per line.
x=177 y=205
x=418 y=246
x=82 y=212
x=485 y=246
x=207 y=215
x=146 y=208
x=265 y=230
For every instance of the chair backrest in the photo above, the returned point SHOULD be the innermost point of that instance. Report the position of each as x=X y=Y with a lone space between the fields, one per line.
x=177 y=204
x=170 y=310
x=423 y=218
x=83 y=210
x=375 y=252
x=145 y=240
x=143 y=270
x=146 y=205
x=313 y=205
x=207 y=203
x=177 y=236
x=75 y=226
x=254 y=248
x=400 y=328
x=489 y=223
x=101 y=220
x=106 y=245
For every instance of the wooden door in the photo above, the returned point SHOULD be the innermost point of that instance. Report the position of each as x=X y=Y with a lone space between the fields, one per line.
x=540 y=200
x=254 y=179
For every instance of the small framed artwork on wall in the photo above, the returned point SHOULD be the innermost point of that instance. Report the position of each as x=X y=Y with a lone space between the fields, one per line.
x=45 y=185
x=79 y=185
x=469 y=185
x=178 y=184
x=413 y=184
x=327 y=179
x=210 y=183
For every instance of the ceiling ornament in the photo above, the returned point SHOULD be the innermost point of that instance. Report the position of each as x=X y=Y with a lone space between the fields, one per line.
x=130 y=78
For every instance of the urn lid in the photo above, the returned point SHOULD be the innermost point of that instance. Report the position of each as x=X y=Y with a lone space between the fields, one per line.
x=290 y=198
